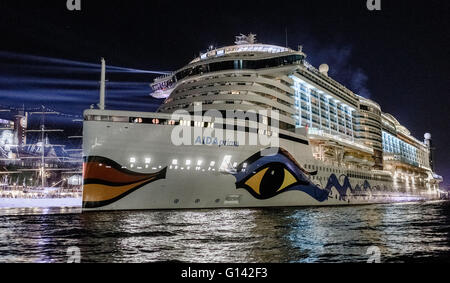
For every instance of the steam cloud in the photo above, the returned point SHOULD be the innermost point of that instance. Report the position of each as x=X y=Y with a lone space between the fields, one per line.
x=341 y=69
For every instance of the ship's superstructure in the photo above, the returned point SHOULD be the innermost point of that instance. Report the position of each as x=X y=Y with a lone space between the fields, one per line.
x=335 y=147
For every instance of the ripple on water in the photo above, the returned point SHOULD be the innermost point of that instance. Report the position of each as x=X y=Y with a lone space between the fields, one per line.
x=405 y=232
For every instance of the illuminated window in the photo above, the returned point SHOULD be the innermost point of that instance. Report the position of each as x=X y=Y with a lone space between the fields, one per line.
x=148 y=160
x=175 y=162
x=132 y=160
x=226 y=162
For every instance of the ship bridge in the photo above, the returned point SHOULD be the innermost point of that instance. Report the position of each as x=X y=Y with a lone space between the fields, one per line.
x=243 y=44
x=251 y=55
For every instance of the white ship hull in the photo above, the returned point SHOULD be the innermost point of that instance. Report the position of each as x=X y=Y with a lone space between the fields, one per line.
x=131 y=166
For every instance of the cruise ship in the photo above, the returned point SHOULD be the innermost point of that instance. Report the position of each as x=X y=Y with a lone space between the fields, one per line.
x=252 y=125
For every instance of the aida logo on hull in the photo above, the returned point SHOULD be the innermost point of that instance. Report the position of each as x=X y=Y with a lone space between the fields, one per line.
x=237 y=128
x=215 y=141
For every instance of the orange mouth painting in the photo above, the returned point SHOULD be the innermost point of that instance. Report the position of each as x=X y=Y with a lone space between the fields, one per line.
x=106 y=181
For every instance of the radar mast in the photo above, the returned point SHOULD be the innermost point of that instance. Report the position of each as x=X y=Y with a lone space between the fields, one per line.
x=245 y=39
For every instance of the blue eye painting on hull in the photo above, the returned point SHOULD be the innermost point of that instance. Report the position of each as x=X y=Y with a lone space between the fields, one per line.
x=265 y=177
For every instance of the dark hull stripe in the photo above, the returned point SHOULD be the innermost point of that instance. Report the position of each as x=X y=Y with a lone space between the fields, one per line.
x=286 y=137
x=110 y=184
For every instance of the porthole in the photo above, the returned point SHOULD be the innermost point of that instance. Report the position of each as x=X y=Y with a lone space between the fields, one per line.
x=176 y=201
x=217 y=200
x=197 y=201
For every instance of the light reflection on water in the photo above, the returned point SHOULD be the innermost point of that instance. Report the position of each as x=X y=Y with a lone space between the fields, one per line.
x=403 y=232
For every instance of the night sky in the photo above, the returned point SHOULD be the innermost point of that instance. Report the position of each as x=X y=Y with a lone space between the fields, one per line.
x=397 y=56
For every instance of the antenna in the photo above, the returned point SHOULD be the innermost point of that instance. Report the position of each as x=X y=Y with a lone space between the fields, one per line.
x=286 y=37
x=103 y=86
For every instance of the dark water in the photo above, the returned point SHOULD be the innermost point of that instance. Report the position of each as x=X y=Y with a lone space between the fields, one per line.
x=402 y=232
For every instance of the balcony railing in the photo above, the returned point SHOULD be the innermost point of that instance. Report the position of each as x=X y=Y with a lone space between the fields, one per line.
x=321 y=133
